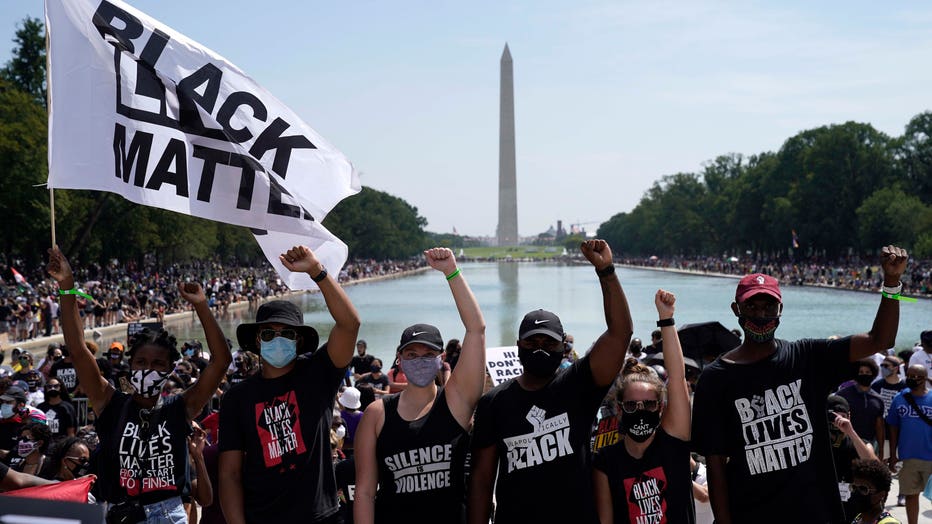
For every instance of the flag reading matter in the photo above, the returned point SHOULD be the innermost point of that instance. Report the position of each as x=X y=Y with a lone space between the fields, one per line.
x=141 y=110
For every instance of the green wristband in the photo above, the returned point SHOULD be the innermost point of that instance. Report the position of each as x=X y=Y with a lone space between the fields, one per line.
x=75 y=292
x=452 y=275
x=898 y=297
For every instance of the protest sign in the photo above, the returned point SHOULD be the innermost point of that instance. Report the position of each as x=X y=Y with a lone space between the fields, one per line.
x=502 y=363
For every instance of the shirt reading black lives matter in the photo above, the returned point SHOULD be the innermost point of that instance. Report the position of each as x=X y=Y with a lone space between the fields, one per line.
x=769 y=419
x=146 y=450
x=656 y=488
x=542 y=442
x=66 y=375
x=283 y=427
x=420 y=466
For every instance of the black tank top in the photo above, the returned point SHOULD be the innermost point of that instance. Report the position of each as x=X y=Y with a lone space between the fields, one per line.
x=420 y=466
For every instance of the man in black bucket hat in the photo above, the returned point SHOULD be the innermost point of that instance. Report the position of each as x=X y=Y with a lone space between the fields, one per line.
x=275 y=463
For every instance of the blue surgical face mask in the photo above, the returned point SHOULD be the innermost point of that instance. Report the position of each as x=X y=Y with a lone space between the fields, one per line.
x=421 y=370
x=279 y=352
x=6 y=411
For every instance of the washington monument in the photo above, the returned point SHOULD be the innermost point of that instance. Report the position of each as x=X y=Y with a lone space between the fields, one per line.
x=507 y=187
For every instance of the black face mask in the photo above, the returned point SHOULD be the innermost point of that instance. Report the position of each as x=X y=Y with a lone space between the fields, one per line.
x=539 y=362
x=864 y=380
x=53 y=393
x=641 y=424
x=913 y=383
x=80 y=470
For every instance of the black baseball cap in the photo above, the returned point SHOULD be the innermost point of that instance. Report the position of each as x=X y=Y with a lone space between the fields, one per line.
x=541 y=322
x=421 y=334
x=14 y=393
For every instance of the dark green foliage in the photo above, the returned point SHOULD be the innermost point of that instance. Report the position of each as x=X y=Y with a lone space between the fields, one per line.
x=377 y=225
x=26 y=69
x=843 y=188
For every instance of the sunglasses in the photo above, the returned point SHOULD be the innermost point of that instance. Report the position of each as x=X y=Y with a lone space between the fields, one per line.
x=79 y=460
x=861 y=489
x=266 y=335
x=630 y=406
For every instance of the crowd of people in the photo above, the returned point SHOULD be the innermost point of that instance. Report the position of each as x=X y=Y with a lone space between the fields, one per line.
x=125 y=293
x=855 y=273
x=289 y=429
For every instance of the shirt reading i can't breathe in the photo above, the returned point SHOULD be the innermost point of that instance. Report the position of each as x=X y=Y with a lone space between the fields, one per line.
x=769 y=419
x=542 y=442
x=283 y=427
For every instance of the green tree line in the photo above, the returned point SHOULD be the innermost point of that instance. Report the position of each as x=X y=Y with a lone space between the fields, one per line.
x=844 y=189
x=97 y=226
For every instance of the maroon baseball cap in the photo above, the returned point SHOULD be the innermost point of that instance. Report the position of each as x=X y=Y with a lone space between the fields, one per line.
x=756 y=284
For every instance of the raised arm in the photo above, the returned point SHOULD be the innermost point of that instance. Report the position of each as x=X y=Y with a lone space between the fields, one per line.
x=882 y=335
x=608 y=354
x=864 y=451
x=676 y=416
x=465 y=385
x=198 y=395
x=342 y=338
x=98 y=390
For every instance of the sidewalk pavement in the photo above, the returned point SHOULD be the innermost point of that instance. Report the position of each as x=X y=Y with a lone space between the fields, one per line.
x=899 y=512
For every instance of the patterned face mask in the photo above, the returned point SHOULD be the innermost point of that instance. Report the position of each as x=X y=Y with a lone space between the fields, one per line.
x=759 y=329
x=148 y=382
x=421 y=370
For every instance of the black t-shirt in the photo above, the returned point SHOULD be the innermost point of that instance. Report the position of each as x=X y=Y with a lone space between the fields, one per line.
x=866 y=408
x=657 y=487
x=66 y=374
x=843 y=453
x=887 y=391
x=60 y=417
x=345 y=472
x=380 y=383
x=362 y=363
x=143 y=453
x=420 y=466
x=542 y=441
x=283 y=427
x=769 y=419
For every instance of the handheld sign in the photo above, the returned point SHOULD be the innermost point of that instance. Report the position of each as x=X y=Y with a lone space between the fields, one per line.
x=135 y=327
x=502 y=363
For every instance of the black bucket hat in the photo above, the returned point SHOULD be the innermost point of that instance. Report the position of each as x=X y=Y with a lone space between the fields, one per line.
x=277 y=312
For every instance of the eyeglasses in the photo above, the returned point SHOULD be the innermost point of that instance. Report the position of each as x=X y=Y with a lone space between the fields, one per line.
x=52 y=386
x=862 y=489
x=630 y=406
x=266 y=335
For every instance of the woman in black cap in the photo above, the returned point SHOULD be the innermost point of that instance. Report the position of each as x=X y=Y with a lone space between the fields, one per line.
x=143 y=457
x=411 y=446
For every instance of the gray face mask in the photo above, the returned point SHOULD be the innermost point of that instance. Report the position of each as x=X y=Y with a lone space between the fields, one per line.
x=422 y=370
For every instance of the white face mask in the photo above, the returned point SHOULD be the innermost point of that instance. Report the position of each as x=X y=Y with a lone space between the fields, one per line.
x=148 y=382
x=341 y=431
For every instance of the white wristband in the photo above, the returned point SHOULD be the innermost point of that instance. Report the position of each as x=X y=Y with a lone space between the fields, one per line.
x=893 y=290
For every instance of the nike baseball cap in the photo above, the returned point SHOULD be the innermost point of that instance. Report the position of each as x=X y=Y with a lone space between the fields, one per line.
x=421 y=334
x=541 y=322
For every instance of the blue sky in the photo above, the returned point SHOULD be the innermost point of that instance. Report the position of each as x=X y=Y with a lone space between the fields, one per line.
x=610 y=95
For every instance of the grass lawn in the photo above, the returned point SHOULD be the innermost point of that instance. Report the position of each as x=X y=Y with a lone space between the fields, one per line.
x=541 y=252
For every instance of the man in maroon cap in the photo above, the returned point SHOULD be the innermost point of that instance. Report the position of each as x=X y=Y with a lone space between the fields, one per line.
x=759 y=411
